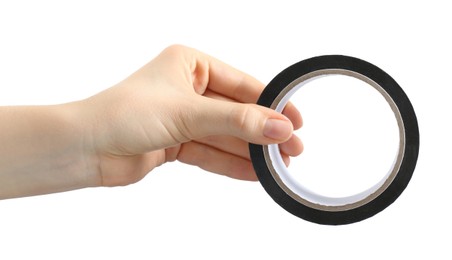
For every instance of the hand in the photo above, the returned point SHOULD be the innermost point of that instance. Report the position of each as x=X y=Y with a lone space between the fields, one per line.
x=183 y=105
x=186 y=106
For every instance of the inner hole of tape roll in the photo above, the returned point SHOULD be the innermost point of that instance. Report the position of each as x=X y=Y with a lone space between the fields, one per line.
x=351 y=136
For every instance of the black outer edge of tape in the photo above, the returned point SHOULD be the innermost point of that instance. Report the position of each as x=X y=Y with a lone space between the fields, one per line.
x=387 y=197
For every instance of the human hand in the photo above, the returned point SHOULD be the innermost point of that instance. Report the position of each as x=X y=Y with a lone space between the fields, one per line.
x=183 y=105
x=186 y=106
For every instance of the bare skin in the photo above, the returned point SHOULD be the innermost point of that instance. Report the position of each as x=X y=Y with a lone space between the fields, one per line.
x=183 y=105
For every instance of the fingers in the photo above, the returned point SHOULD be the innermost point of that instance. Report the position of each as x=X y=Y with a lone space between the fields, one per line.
x=235 y=85
x=290 y=111
x=238 y=147
x=293 y=147
x=227 y=144
x=294 y=115
x=216 y=79
x=217 y=161
x=228 y=81
x=205 y=72
x=248 y=122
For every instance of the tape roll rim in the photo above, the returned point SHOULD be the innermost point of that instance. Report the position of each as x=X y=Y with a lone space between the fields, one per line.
x=405 y=163
x=299 y=192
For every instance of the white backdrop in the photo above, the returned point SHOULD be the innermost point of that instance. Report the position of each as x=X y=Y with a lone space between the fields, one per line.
x=55 y=52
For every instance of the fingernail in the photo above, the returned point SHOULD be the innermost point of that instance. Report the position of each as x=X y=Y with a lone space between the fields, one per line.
x=278 y=129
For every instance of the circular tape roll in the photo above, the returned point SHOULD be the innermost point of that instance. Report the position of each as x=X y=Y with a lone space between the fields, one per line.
x=300 y=201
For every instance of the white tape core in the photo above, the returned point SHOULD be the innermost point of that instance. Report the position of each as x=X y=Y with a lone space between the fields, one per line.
x=301 y=193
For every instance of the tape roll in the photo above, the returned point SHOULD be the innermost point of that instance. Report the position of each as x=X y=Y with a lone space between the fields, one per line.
x=300 y=201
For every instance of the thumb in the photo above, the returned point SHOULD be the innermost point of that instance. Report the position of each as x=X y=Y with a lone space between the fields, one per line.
x=250 y=122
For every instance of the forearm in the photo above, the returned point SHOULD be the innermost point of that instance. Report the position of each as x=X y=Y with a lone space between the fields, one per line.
x=43 y=149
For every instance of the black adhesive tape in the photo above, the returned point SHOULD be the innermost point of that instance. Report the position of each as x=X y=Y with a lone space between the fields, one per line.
x=352 y=209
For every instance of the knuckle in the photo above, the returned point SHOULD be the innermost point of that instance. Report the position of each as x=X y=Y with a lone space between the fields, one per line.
x=242 y=118
x=175 y=50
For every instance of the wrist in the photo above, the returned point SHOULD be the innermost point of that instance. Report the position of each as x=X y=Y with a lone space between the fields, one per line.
x=79 y=121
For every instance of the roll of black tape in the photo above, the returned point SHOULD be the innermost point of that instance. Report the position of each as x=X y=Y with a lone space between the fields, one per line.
x=302 y=202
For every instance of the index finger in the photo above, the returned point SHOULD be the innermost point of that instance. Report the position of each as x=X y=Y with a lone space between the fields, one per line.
x=239 y=86
x=232 y=83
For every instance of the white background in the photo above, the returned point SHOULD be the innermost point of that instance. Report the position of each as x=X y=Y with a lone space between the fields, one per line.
x=54 y=52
